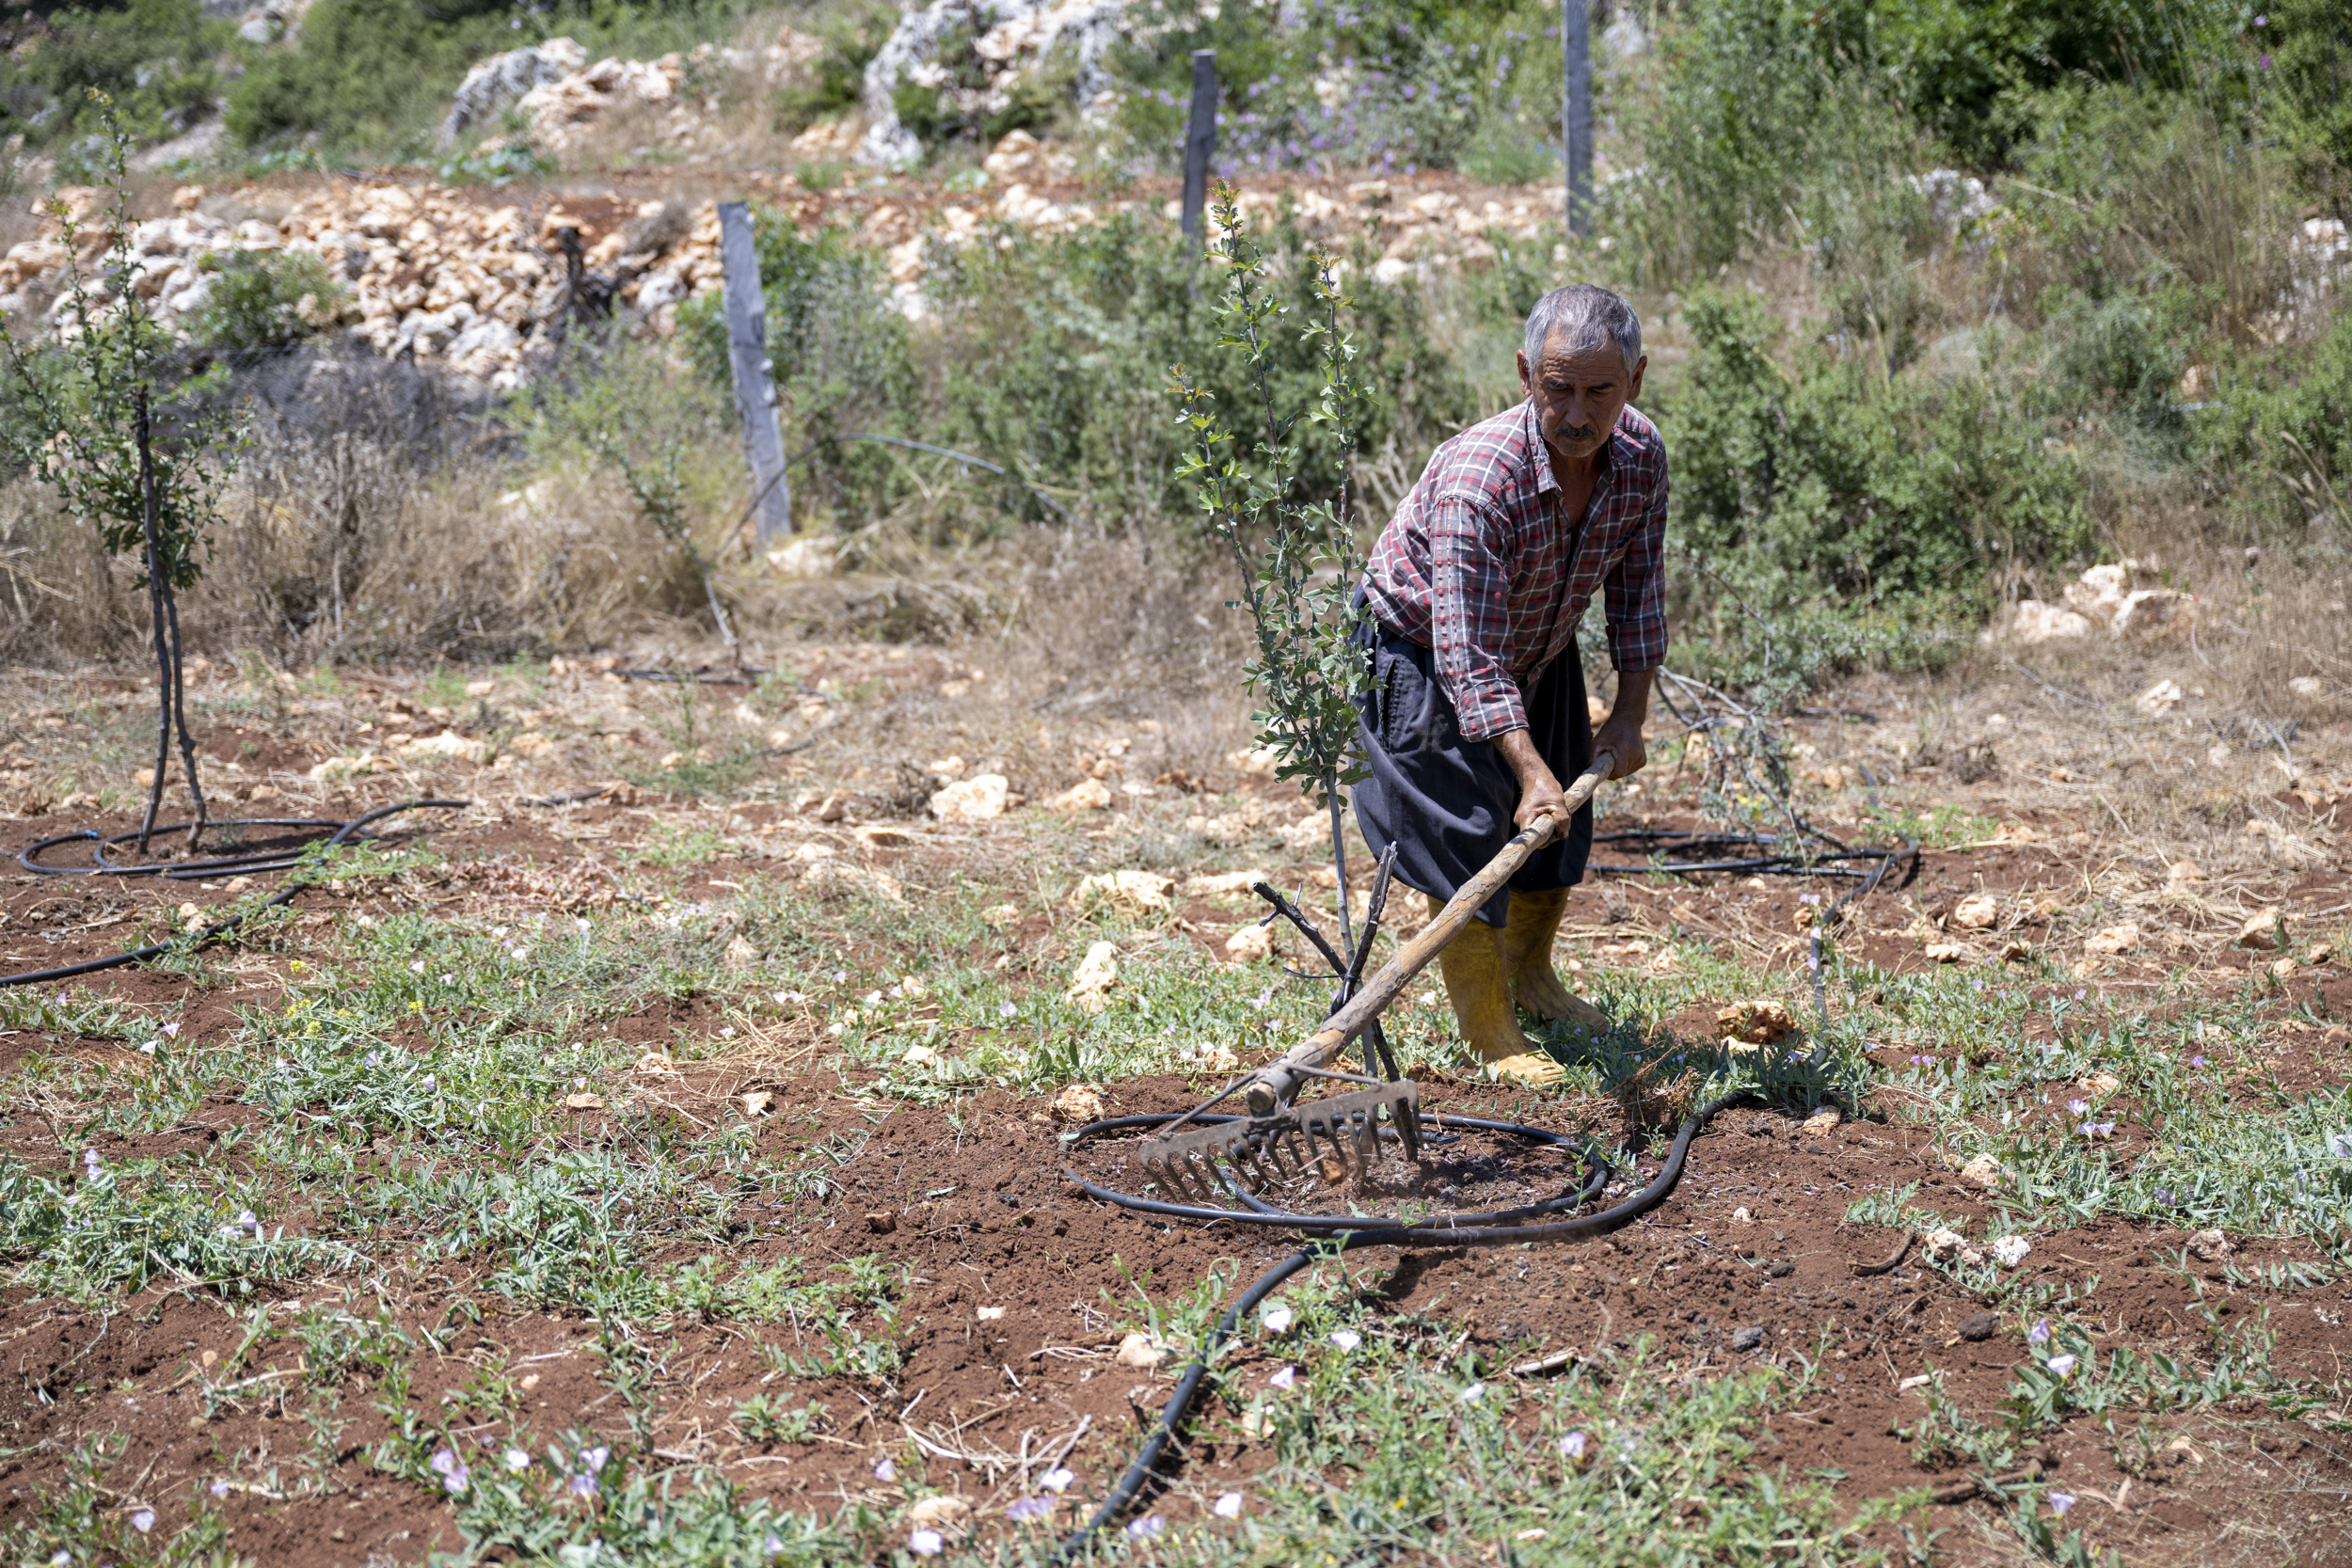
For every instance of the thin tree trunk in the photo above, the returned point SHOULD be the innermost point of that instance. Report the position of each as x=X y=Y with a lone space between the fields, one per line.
x=1338 y=865
x=180 y=713
x=155 y=607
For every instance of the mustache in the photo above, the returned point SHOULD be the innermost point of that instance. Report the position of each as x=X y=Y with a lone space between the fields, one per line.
x=1576 y=433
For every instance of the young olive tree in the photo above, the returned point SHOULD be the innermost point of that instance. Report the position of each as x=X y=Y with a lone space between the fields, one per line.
x=87 y=426
x=1297 y=559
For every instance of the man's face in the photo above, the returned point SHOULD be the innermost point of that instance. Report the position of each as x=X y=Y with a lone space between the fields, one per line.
x=1579 y=396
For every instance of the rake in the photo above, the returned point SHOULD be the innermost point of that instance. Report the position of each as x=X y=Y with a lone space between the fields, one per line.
x=1281 y=1139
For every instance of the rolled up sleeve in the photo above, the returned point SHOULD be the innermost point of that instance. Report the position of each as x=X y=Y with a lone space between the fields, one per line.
x=1635 y=590
x=1470 y=619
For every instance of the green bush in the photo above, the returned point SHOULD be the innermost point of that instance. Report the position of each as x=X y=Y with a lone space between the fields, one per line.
x=2280 y=434
x=2303 y=58
x=377 y=74
x=836 y=79
x=153 y=59
x=361 y=73
x=1049 y=356
x=1829 y=487
x=1390 y=84
x=263 y=299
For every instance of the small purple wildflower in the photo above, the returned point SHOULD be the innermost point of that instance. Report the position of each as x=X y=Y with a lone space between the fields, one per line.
x=2062 y=1364
x=2060 y=1503
x=456 y=1480
x=444 y=1461
x=2040 y=1333
x=885 y=1471
x=925 y=1542
x=583 y=1486
x=1058 y=1479
x=143 y=1521
x=1146 y=1527
x=1026 y=1508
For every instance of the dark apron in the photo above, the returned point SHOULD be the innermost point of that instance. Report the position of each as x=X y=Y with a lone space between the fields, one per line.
x=1446 y=803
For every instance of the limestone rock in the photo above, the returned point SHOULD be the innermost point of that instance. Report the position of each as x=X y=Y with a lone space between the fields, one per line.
x=1142 y=890
x=1140 y=1351
x=1251 y=944
x=1079 y=1103
x=1755 y=1022
x=1090 y=983
x=979 y=799
x=2159 y=699
x=1983 y=1171
x=1085 y=795
x=2264 y=931
x=2114 y=939
x=1978 y=912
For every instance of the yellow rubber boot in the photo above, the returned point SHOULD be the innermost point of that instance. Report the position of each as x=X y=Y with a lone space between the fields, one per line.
x=1478 y=983
x=1527 y=939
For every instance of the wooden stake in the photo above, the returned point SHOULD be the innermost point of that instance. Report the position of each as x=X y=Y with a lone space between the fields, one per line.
x=754 y=373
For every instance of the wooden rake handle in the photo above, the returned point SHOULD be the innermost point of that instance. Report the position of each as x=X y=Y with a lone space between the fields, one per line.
x=1276 y=1084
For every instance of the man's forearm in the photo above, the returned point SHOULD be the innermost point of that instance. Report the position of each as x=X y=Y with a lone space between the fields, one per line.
x=1633 y=689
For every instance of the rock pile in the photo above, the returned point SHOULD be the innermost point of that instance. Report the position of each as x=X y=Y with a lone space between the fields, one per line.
x=2117 y=597
x=1007 y=37
x=562 y=98
x=466 y=279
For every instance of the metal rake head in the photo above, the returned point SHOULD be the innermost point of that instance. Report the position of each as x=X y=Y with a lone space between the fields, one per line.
x=1294 y=1140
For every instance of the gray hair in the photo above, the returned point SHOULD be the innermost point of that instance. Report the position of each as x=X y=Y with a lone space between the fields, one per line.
x=1588 y=318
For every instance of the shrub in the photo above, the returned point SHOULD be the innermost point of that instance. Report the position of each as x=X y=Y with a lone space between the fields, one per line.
x=1829 y=487
x=1047 y=356
x=836 y=79
x=263 y=299
x=1393 y=83
x=2281 y=436
x=153 y=58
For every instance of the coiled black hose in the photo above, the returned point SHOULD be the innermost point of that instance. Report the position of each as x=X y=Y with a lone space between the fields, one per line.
x=237 y=865
x=1347 y=1234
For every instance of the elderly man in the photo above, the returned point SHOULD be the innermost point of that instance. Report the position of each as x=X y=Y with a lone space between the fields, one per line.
x=1477 y=710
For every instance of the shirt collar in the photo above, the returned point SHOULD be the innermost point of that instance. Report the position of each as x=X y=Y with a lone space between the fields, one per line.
x=1545 y=478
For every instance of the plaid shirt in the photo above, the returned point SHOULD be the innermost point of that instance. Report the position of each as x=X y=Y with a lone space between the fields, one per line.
x=1480 y=566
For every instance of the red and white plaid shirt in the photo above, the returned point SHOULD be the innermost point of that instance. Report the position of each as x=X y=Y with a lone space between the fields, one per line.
x=1480 y=566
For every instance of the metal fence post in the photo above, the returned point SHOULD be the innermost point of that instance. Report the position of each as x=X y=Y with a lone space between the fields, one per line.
x=1575 y=109
x=1200 y=140
x=754 y=376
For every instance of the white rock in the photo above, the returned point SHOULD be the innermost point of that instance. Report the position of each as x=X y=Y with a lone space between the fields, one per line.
x=2099 y=592
x=1983 y=1171
x=1251 y=944
x=1978 y=912
x=2310 y=688
x=1142 y=890
x=1094 y=976
x=2161 y=698
x=2264 y=931
x=1085 y=795
x=2114 y=939
x=1140 y=1349
x=2035 y=621
x=2010 y=1251
x=978 y=798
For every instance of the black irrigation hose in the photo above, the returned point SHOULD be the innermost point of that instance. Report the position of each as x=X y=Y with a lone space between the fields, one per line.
x=1346 y=1234
x=30 y=860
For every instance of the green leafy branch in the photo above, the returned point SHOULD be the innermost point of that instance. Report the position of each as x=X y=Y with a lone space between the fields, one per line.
x=1297 y=559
